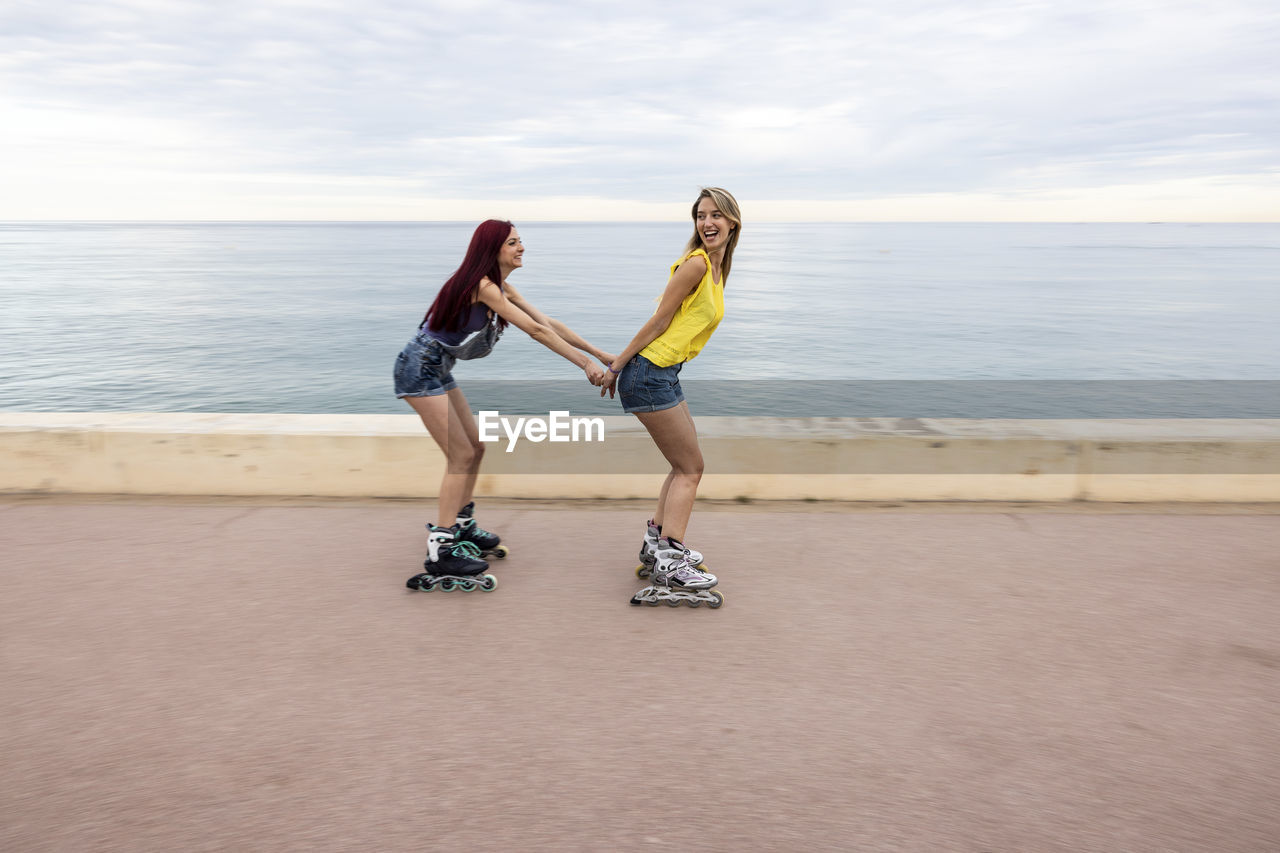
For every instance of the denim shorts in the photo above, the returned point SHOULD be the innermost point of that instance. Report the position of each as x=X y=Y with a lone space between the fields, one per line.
x=423 y=369
x=645 y=387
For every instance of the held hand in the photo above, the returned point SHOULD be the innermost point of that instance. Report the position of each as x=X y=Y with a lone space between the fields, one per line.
x=606 y=359
x=595 y=373
x=610 y=380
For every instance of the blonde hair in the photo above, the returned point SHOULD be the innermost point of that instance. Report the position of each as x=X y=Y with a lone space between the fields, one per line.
x=728 y=205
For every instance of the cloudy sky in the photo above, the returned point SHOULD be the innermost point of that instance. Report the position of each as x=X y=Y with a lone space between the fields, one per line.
x=839 y=110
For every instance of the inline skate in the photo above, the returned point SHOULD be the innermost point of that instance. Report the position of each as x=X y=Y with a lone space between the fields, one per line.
x=488 y=543
x=452 y=563
x=649 y=548
x=676 y=579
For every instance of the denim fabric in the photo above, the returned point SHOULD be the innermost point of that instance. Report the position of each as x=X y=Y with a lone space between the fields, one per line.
x=645 y=387
x=477 y=345
x=423 y=369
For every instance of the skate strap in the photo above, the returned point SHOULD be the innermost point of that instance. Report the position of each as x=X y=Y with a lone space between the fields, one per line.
x=468 y=548
x=470 y=524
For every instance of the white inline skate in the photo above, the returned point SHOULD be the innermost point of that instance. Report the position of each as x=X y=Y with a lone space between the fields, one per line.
x=649 y=550
x=452 y=563
x=676 y=580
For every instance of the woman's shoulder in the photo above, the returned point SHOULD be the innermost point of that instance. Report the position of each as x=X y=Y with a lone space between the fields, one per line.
x=488 y=292
x=695 y=259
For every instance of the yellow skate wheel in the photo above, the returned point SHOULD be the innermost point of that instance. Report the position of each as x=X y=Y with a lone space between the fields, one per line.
x=501 y=552
x=719 y=599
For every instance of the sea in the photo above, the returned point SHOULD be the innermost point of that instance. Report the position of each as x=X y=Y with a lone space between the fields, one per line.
x=828 y=319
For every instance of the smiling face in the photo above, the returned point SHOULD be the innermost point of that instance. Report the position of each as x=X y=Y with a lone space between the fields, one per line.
x=511 y=255
x=712 y=226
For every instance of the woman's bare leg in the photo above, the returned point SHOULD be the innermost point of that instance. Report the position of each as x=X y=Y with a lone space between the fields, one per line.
x=461 y=411
x=662 y=495
x=450 y=434
x=662 y=498
x=673 y=432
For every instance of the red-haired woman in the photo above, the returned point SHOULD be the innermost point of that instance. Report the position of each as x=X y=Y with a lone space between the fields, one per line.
x=465 y=321
x=647 y=374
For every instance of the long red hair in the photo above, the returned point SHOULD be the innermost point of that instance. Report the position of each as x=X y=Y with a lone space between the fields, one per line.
x=453 y=302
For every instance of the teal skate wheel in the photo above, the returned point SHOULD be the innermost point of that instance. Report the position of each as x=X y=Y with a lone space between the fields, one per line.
x=466 y=586
x=488 y=583
x=446 y=585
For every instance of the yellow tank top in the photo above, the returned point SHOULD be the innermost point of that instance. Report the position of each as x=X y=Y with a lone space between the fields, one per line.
x=696 y=318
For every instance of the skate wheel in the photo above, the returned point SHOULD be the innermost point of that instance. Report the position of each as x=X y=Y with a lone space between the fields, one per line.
x=642 y=572
x=501 y=552
x=719 y=599
x=446 y=585
x=466 y=586
x=673 y=602
x=694 y=603
x=488 y=583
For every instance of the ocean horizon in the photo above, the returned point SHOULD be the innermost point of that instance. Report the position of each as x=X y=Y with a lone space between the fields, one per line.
x=307 y=316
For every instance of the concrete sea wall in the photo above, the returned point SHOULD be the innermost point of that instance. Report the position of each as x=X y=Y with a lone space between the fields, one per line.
x=873 y=459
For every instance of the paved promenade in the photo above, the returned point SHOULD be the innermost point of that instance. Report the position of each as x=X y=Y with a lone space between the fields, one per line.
x=252 y=675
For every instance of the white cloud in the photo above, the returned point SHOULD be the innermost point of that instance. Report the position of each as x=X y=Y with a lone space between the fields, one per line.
x=527 y=101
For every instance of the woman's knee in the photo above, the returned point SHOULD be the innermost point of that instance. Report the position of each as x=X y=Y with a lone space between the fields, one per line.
x=691 y=470
x=463 y=456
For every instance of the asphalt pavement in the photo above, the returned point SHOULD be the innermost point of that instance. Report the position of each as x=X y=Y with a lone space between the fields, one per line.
x=254 y=675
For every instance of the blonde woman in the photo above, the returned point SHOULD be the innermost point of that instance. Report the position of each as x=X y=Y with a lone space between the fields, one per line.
x=646 y=377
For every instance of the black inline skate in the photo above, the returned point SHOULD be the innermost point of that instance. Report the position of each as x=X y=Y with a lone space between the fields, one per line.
x=452 y=563
x=488 y=543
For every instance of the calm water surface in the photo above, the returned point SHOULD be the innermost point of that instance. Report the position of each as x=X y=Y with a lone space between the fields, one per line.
x=288 y=317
